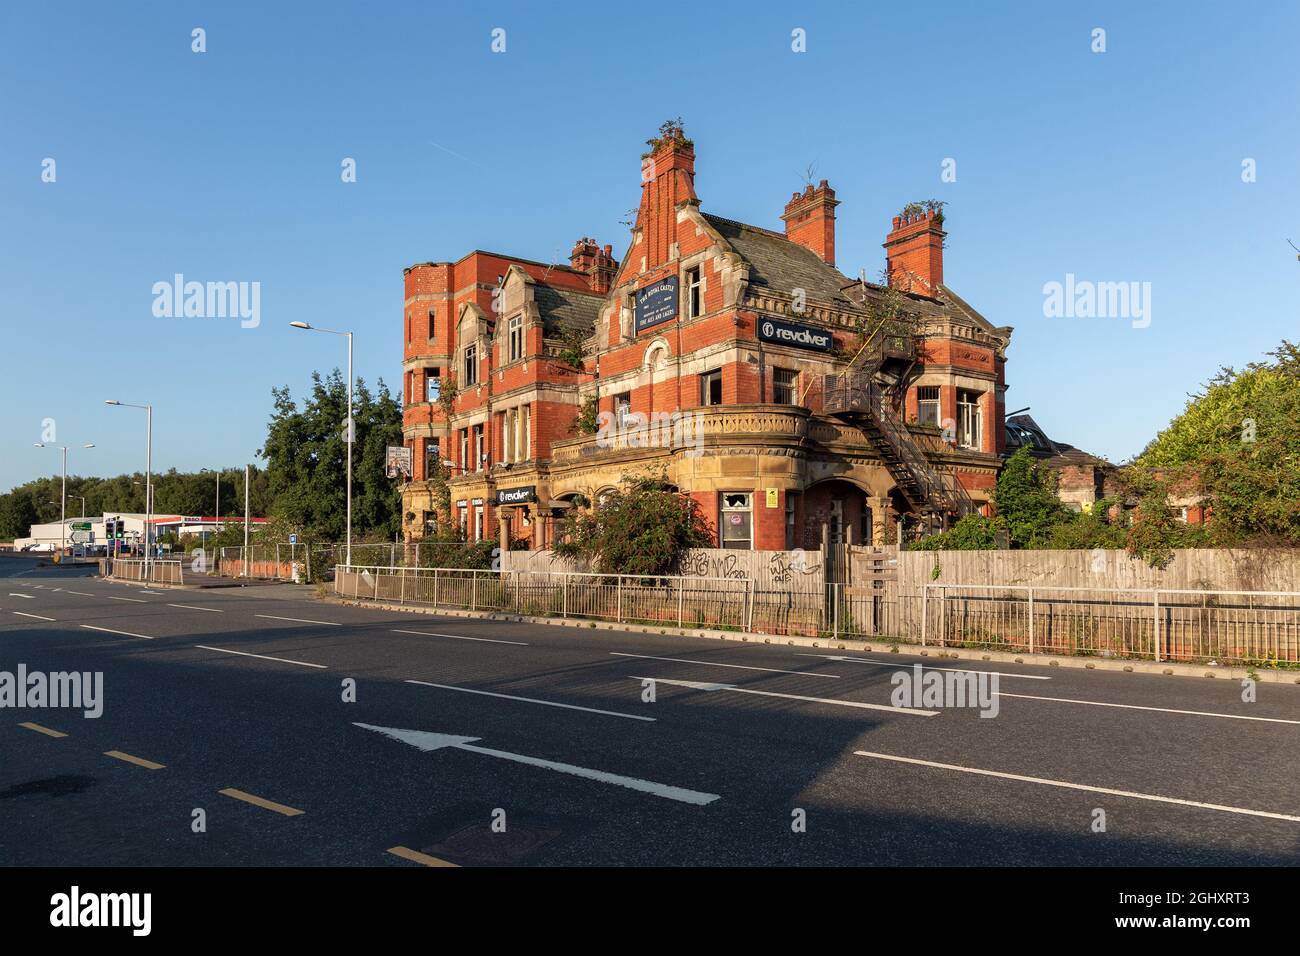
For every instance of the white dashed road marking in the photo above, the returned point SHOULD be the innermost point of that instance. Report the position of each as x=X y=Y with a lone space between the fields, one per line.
x=263 y=657
x=743 y=667
x=1078 y=786
x=530 y=700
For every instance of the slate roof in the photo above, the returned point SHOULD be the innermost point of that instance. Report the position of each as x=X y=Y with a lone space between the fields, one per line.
x=780 y=264
x=565 y=309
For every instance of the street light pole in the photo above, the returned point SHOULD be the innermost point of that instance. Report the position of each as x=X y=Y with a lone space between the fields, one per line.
x=63 y=499
x=148 y=474
x=348 y=424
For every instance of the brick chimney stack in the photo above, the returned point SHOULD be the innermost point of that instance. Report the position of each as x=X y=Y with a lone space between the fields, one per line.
x=667 y=181
x=914 y=252
x=810 y=220
x=584 y=253
x=596 y=261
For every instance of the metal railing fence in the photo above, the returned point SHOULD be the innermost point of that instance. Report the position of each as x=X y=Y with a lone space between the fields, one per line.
x=1257 y=627
x=669 y=600
x=1149 y=623
x=160 y=570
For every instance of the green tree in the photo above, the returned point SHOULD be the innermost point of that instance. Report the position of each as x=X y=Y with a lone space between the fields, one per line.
x=17 y=514
x=641 y=528
x=306 y=455
x=1026 y=501
x=1237 y=443
x=972 y=532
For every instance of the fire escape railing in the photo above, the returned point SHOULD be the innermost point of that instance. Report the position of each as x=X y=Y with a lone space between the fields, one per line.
x=855 y=392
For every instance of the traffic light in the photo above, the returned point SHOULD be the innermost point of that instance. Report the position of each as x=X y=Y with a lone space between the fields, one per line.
x=110 y=527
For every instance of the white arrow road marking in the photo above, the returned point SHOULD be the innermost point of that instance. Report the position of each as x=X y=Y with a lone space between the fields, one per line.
x=743 y=667
x=281 y=660
x=909 y=666
x=1163 y=710
x=530 y=700
x=424 y=740
x=109 y=630
x=299 y=620
x=1078 y=786
x=25 y=597
x=698 y=685
x=461 y=637
x=37 y=616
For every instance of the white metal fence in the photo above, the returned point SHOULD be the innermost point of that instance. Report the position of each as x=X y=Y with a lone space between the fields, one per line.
x=160 y=570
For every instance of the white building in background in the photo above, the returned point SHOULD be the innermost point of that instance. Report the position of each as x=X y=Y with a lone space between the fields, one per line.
x=89 y=532
x=48 y=537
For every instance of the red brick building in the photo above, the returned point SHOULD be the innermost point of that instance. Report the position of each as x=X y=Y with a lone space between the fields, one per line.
x=734 y=359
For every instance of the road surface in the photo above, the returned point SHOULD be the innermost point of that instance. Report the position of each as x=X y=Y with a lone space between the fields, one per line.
x=472 y=742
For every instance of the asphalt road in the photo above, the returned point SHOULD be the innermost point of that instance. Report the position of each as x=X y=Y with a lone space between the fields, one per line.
x=545 y=731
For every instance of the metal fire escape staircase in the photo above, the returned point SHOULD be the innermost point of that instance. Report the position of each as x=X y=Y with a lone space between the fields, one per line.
x=865 y=395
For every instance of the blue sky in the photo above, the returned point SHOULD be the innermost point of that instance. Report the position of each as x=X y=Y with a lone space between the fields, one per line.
x=1119 y=166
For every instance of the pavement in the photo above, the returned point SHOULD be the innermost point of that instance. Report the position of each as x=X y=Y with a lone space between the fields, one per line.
x=262 y=726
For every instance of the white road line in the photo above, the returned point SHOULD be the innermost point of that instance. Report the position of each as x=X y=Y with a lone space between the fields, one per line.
x=1163 y=710
x=428 y=742
x=698 y=685
x=909 y=664
x=37 y=616
x=531 y=700
x=156 y=593
x=461 y=637
x=1080 y=786
x=133 y=600
x=191 y=607
x=25 y=597
x=109 y=630
x=743 y=667
x=82 y=593
x=299 y=620
x=281 y=660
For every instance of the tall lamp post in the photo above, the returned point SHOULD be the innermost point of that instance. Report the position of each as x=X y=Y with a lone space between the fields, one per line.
x=148 y=474
x=63 y=497
x=349 y=425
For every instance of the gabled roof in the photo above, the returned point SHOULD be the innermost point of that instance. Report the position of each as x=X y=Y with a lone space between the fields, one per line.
x=780 y=264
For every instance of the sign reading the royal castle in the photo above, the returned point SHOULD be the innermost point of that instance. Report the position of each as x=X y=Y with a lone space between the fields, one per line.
x=656 y=303
x=793 y=334
x=515 y=496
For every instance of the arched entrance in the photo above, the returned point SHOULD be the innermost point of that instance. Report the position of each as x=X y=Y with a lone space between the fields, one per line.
x=839 y=509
